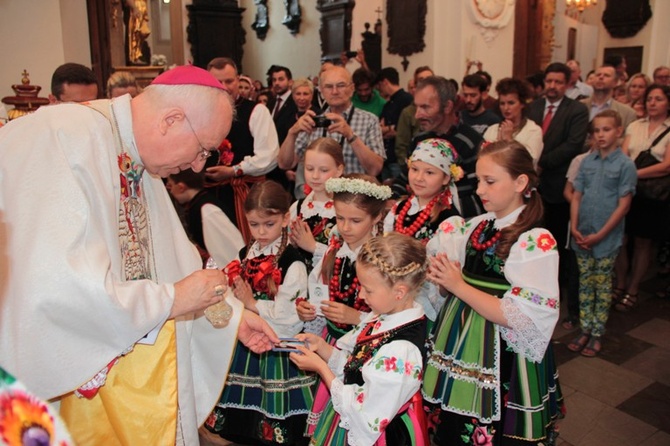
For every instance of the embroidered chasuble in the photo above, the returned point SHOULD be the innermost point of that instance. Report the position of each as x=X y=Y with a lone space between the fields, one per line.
x=145 y=377
x=88 y=268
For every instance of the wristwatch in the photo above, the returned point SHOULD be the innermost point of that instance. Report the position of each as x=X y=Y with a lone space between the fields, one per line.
x=353 y=138
x=238 y=170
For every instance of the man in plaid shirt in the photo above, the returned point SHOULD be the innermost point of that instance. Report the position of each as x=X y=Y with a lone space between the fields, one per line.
x=357 y=131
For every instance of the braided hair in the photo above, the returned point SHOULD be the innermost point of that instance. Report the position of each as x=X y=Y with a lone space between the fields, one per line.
x=397 y=257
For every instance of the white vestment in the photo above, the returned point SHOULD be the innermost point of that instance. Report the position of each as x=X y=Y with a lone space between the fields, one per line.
x=66 y=310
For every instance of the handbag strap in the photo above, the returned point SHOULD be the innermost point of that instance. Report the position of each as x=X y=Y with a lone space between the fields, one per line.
x=659 y=138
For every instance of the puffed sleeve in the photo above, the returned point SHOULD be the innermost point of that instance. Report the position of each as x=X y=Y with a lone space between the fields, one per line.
x=281 y=313
x=450 y=238
x=389 y=220
x=531 y=305
x=390 y=378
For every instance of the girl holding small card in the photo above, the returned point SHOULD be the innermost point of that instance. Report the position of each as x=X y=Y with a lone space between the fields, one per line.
x=374 y=371
x=359 y=202
x=266 y=398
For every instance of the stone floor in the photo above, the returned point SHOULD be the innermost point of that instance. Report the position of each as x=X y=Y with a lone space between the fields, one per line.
x=622 y=396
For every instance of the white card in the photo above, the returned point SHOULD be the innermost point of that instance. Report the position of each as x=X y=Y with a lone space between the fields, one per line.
x=318 y=292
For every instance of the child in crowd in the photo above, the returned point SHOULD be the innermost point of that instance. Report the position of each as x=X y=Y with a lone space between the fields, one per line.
x=313 y=217
x=266 y=398
x=490 y=366
x=432 y=172
x=359 y=202
x=603 y=193
x=433 y=169
x=571 y=320
x=374 y=372
x=206 y=224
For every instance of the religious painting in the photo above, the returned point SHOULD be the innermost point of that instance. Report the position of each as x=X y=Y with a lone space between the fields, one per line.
x=407 y=27
x=625 y=18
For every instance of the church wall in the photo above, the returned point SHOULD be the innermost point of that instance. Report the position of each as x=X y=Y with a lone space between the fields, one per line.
x=38 y=37
x=451 y=37
x=591 y=44
x=300 y=52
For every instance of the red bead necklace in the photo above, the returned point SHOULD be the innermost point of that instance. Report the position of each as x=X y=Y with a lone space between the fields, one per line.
x=335 y=283
x=476 y=234
x=420 y=219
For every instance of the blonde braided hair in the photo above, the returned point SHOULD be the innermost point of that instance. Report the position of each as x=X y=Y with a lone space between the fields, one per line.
x=397 y=257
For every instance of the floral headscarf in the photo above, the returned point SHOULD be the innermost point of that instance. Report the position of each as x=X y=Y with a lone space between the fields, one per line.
x=441 y=154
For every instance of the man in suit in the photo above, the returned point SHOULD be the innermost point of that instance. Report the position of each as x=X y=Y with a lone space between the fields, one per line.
x=284 y=113
x=282 y=107
x=602 y=99
x=564 y=123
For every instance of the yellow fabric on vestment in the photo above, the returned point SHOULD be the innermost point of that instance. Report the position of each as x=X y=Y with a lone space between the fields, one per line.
x=138 y=403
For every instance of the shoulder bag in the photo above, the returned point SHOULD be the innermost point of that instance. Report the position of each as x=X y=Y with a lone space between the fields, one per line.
x=658 y=188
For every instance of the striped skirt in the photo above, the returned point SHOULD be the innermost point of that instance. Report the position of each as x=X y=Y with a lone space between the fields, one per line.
x=480 y=385
x=266 y=397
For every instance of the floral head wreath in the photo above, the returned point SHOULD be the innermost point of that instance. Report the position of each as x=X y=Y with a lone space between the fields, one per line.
x=441 y=154
x=358 y=186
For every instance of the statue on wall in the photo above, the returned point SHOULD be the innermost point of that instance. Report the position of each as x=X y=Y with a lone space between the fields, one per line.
x=292 y=17
x=136 y=18
x=261 y=23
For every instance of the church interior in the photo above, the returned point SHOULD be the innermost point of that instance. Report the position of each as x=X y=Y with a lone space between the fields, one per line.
x=622 y=397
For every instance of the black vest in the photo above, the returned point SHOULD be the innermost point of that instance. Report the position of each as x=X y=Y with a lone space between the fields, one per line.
x=193 y=215
x=241 y=140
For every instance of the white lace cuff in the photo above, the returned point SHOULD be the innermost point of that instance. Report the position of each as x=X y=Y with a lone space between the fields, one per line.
x=337 y=395
x=522 y=335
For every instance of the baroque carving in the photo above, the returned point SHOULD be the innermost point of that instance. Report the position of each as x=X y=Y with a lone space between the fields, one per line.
x=491 y=16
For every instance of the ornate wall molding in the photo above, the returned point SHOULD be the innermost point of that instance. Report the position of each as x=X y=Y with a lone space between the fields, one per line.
x=491 y=15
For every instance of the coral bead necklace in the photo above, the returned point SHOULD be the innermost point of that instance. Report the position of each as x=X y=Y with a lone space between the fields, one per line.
x=420 y=219
x=476 y=236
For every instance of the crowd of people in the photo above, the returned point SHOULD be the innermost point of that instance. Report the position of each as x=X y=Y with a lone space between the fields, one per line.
x=386 y=266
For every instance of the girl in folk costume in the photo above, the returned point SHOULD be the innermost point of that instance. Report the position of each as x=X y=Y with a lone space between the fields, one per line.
x=266 y=398
x=433 y=170
x=313 y=217
x=359 y=201
x=374 y=371
x=490 y=366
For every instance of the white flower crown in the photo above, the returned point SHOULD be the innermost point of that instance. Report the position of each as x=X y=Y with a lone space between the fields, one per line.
x=358 y=186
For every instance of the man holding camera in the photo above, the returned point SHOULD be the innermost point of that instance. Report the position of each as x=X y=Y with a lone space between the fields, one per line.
x=357 y=131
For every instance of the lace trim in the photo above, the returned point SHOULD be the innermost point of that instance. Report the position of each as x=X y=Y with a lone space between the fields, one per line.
x=336 y=394
x=463 y=371
x=335 y=360
x=522 y=335
x=90 y=388
x=313 y=418
x=270 y=385
x=446 y=364
x=279 y=416
x=468 y=413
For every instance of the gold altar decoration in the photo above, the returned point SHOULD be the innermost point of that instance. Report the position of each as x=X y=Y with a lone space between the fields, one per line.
x=25 y=100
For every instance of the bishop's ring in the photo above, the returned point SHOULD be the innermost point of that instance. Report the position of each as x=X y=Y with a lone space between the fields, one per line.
x=219 y=290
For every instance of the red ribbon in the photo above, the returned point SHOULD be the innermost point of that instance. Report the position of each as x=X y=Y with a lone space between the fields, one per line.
x=233 y=270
